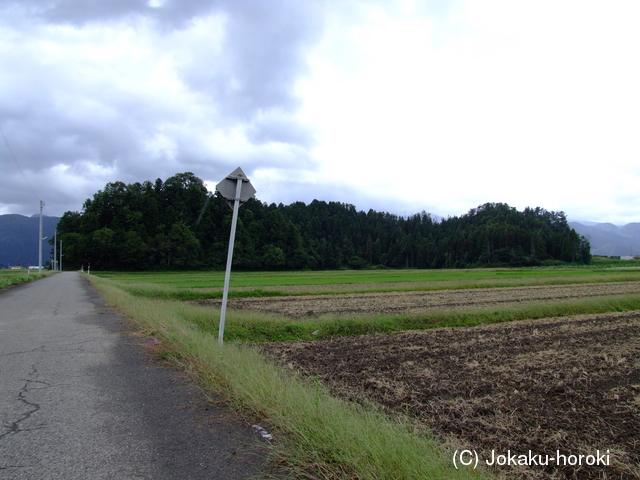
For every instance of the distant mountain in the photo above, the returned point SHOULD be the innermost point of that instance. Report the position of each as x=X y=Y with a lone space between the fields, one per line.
x=583 y=222
x=609 y=239
x=19 y=239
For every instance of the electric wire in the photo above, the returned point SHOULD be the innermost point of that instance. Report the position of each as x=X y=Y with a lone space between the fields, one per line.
x=15 y=160
x=26 y=180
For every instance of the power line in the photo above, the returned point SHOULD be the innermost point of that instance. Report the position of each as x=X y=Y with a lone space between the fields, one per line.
x=15 y=160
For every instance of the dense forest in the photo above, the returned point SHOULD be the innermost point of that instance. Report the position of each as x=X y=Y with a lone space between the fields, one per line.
x=178 y=224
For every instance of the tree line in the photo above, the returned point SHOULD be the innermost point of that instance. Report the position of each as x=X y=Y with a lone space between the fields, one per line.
x=178 y=224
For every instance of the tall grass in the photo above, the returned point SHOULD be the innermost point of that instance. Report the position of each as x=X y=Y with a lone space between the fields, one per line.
x=9 y=277
x=318 y=435
x=169 y=292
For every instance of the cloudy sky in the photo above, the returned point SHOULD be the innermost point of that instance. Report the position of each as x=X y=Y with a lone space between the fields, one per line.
x=399 y=106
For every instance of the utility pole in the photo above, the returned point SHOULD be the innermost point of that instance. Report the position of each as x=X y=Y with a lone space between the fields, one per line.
x=61 y=255
x=55 y=248
x=40 y=240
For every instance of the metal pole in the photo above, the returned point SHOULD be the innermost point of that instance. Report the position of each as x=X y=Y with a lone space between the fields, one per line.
x=55 y=250
x=40 y=240
x=227 y=274
x=61 y=255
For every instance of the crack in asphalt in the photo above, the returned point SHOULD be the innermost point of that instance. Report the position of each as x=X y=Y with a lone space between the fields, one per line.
x=59 y=306
x=7 y=467
x=21 y=352
x=75 y=345
x=32 y=407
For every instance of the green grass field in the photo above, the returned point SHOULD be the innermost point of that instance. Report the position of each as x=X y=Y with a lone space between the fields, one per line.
x=200 y=284
x=215 y=279
x=16 y=277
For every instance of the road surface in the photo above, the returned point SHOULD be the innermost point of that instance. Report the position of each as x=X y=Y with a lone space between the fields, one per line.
x=80 y=399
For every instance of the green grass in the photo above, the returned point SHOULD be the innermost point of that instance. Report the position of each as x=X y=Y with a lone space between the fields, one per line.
x=200 y=285
x=215 y=279
x=16 y=277
x=318 y=436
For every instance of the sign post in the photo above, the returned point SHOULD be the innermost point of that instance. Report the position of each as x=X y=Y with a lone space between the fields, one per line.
x=236 y=189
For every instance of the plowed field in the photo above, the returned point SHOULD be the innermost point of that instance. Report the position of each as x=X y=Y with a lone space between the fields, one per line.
x=569 y=385
x=421 y=302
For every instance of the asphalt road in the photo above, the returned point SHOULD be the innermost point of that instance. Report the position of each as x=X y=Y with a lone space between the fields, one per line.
x=80 y=398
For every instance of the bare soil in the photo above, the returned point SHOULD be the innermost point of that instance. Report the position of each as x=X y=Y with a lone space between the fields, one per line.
x=421 y=302
x=569 y=384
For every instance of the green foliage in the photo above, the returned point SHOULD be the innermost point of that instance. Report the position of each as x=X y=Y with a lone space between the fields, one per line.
x=273 y=258
x=179 y=225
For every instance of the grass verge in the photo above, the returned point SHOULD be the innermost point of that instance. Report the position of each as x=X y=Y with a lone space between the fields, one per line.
x=16 y=278
x=319 y=436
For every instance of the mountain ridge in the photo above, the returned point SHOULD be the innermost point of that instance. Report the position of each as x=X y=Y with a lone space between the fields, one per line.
x=610 y=240
x=19 y=239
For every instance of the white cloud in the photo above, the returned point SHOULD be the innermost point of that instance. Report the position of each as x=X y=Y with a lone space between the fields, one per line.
x=523 y=104
x=398 y=106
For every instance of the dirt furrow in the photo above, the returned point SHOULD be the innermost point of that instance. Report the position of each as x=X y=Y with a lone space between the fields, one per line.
x=418 y=302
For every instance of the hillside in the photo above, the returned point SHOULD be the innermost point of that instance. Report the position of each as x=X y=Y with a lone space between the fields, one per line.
x=178 y=224
x=19 y=239
x=609 y=239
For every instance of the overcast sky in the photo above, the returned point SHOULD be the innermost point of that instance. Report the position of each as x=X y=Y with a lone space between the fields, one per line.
x=399 y=106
